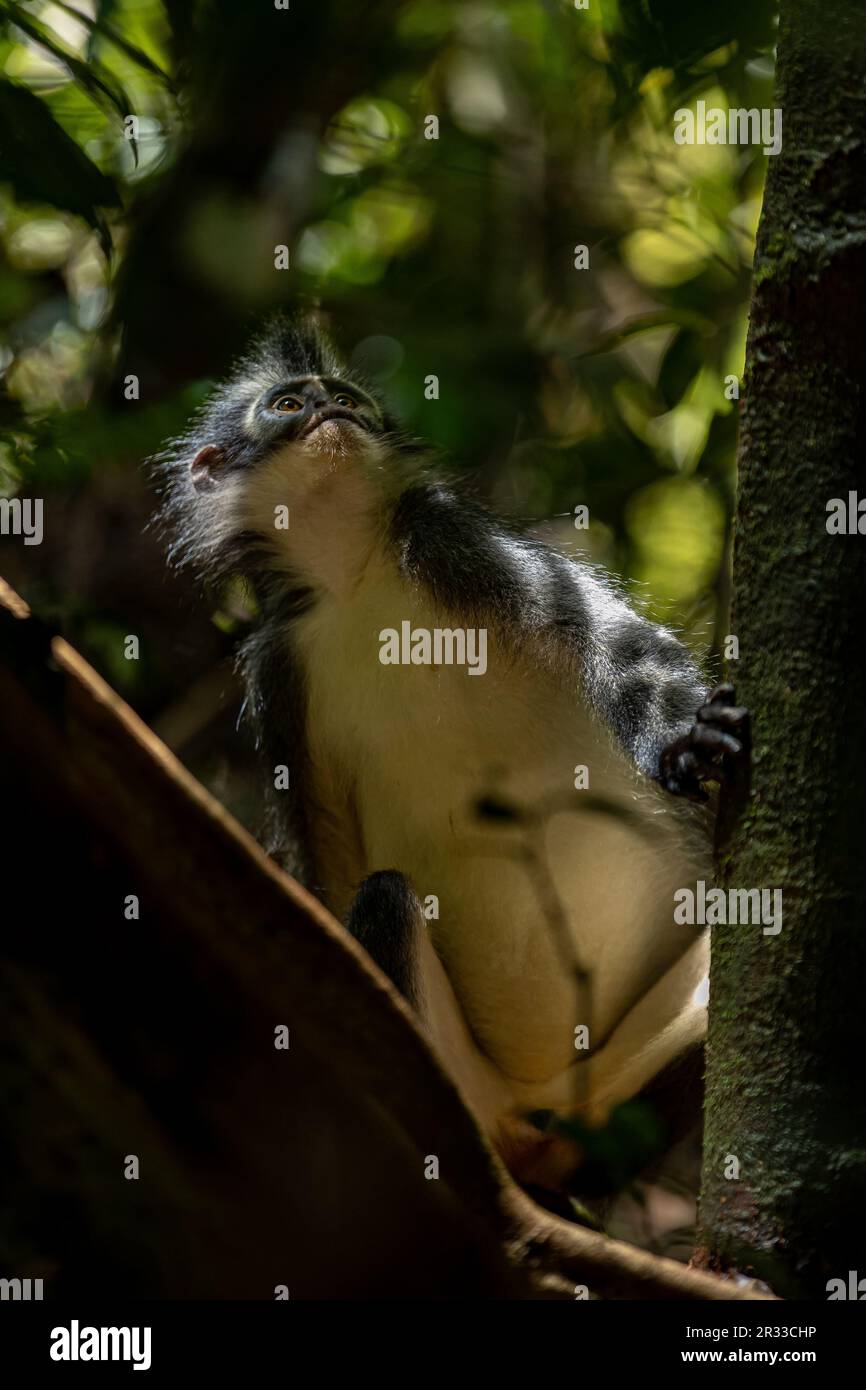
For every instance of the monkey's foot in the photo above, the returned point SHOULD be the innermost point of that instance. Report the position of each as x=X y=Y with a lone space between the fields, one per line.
x=716 y=743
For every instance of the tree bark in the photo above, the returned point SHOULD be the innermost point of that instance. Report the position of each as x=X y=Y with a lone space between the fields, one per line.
x=785 y=1095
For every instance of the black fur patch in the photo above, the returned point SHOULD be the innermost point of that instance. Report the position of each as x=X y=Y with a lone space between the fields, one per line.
x=637 y=677
x=385 y=919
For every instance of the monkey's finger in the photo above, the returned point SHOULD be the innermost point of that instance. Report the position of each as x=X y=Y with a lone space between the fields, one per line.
x=723 y=694
x=731 y=716
x=706 y=738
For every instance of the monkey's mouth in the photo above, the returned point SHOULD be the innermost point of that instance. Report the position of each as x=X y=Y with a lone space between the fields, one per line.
x=334 y=412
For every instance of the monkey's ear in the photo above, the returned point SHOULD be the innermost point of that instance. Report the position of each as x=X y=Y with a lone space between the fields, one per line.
x=206 y=467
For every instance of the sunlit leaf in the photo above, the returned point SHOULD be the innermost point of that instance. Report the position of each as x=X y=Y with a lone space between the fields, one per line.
x=44 y=165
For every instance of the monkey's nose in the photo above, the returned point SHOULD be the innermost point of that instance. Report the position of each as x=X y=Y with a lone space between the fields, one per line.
x=320 y=402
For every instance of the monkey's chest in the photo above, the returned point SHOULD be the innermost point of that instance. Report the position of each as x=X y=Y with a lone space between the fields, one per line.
x=446 y=746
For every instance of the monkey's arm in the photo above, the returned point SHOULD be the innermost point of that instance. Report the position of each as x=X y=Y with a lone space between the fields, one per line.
x=635 y=675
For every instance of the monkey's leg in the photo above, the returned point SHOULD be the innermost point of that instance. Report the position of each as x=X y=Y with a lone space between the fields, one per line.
x=386 y=919
x=717 y=741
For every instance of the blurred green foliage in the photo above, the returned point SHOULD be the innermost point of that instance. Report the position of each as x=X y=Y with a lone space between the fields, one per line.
x=257 y=126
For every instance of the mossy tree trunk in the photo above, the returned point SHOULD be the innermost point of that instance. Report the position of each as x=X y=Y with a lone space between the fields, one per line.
x=786 y=1092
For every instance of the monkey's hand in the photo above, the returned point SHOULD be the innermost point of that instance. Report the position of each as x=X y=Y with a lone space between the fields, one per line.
x=716 y=744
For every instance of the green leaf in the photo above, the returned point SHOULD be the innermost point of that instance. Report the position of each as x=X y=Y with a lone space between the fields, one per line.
x=45 y=165
x=680 y=366
x=616 y=1152
x=85 y=74
x=99 y=25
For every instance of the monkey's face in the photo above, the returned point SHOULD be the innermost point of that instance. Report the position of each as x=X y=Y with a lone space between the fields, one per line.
x=321 y=414
x=304 y=446
x=305 y=424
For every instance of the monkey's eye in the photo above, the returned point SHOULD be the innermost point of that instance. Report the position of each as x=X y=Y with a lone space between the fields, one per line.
x=287 y=404
x=348 y=402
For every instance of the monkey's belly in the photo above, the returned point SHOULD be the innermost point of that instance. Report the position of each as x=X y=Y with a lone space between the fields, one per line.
x=540 y=982
x=513 y=907
x=518 y=911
